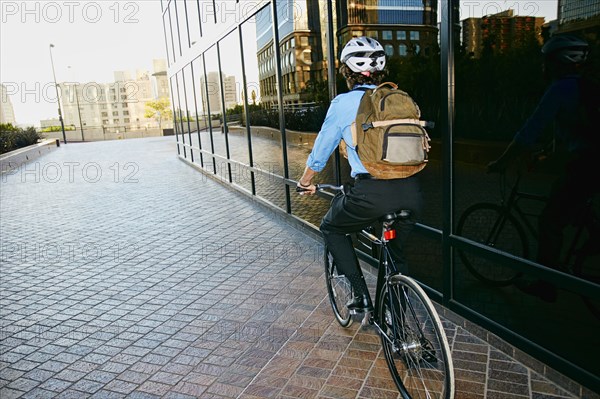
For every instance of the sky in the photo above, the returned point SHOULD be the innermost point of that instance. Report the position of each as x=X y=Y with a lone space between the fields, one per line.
x=93 y=39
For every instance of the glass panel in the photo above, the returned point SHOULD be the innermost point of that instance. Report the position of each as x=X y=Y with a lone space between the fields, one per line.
x=306 y=99
x=231 y=67
x=219 y=17
x=551 y=203
x=184 y=37
x=177 y=116
x=193 y=17
x=213 y=83
x=203 y=109
x=262 y=107
x=168 y=38
x=194 y=109
x=189 y=120
x=175 y=29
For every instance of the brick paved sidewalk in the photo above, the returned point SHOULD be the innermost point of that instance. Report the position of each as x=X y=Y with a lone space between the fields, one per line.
x=127 y=273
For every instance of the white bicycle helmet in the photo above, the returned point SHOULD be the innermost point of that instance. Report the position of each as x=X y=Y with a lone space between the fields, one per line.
x=567 y=49
x=363 y=55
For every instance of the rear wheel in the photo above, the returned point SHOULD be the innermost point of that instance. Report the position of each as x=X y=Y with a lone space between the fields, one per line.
x=415 y=345
x=339 y=290
x=489 y=225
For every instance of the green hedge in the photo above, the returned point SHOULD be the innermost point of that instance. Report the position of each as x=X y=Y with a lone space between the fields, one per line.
x=12 y=137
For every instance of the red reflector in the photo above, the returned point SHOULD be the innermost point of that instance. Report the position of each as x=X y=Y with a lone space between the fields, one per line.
x=389 y=234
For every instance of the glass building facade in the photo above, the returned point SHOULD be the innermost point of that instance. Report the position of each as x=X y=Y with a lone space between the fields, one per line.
x=578 y=10
x=251 y=83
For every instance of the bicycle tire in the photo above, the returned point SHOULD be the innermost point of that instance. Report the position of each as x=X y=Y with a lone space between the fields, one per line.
x=339 y=291
x=476 y=223
x=415 y=345
x=587 y=267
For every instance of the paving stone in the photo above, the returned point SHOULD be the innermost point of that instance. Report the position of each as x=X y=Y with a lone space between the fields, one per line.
x=171 y=285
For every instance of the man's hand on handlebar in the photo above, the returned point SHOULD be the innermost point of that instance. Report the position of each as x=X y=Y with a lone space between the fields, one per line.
x=310 y=189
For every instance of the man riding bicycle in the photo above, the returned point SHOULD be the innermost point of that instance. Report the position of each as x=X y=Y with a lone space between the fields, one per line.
x=563 y=103
x=368 y=198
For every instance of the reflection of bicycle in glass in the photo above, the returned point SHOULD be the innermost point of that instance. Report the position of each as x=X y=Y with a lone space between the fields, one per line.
x=415 y=345
x=507 y=226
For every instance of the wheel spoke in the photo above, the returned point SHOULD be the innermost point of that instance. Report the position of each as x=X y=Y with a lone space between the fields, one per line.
x=419 y=359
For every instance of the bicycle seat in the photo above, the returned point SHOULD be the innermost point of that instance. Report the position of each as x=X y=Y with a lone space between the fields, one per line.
x=398 y=215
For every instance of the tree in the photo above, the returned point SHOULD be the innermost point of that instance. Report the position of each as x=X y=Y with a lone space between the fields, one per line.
x=13 y=137
x=159 y=109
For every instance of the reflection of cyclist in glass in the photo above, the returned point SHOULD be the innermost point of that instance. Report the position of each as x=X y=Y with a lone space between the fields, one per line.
x=562 y=103
x=363 y=62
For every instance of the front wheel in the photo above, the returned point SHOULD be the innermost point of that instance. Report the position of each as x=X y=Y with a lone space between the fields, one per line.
x=415 y=345
x=339 y=290
x=489 y=224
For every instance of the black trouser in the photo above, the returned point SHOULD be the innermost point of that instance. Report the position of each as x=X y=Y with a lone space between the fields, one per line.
x=362 y=205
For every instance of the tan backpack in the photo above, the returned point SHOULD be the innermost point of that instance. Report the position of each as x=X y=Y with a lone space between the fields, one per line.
x=390 y=139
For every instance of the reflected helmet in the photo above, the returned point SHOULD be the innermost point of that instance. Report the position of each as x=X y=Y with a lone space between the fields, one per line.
x=364 y=55
x=566 y=49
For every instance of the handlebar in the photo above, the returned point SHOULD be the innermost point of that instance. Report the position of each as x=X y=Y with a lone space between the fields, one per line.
x=321 y=187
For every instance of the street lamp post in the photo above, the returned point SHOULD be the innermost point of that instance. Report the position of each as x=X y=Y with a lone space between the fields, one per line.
x=76 y=85
x=62 y=123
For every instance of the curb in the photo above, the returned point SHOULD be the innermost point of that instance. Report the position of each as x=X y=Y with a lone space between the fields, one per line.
x=11 y=160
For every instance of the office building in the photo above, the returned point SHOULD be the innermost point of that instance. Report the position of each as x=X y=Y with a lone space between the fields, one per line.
x=7 y=113
x=119 y=105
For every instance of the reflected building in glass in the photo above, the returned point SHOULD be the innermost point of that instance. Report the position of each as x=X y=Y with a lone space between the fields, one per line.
x=214 y=91
x=500 y=32
x=302 y=61
x=579 y=15
x=403 y=27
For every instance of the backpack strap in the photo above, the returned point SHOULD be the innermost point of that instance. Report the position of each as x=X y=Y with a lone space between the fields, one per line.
x=391 y=84
x=419 y=122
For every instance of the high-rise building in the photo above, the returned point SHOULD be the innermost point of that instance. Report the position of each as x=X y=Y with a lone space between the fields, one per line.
x=161 y=79
x=500 y=32
x=7 y=113
x=117 y=105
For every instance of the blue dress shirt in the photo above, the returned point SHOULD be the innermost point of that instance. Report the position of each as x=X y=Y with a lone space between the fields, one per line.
x=341 y=114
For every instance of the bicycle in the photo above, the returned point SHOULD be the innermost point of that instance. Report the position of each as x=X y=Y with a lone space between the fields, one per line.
x=506 y=226
x=414 y=342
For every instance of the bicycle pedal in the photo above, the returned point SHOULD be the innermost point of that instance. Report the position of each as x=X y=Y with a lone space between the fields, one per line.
x=366 y=321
